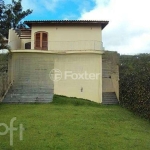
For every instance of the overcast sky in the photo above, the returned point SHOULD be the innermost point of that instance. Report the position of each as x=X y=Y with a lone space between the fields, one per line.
x=128 y=31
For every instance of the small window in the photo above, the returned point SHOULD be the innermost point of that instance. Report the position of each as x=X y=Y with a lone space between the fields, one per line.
x=41 y=40
x=28 y=45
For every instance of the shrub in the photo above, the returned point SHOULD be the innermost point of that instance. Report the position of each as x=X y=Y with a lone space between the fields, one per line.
x=135 y=83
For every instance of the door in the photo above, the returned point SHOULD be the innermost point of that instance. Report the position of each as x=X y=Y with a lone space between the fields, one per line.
x=41 y=40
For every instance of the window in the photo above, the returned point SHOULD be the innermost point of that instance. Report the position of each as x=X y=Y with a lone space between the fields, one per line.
x=28 y=45
x=41 y=40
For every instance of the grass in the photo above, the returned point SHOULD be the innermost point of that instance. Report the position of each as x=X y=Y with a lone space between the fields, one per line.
x=74 y=124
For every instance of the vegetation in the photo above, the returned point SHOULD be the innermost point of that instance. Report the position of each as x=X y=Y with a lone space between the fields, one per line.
x=3 y=62
x=72 y=124
x=2 y=43
x=10 y=17
x=135 y=83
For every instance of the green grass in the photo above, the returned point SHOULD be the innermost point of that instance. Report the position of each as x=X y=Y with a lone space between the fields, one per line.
x=74 y=124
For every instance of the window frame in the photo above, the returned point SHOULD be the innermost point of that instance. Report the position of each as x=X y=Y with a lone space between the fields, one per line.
x=39 y=44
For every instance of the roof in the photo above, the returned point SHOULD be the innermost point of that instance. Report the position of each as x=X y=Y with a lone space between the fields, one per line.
x=67 y=22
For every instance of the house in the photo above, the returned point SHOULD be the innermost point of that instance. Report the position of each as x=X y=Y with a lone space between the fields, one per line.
x=63 y=57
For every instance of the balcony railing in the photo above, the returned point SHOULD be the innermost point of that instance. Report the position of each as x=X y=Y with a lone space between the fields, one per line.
x=73 y=45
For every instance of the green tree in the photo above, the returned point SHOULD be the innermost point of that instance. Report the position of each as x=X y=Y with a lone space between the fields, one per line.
x=1 y=9
x=2 y=20
x=11 y=16
x=3 y=44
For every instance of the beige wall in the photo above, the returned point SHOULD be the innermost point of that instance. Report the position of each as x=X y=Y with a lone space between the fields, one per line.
x=14 y=41
x=63 y=38
x=90 y=89
x=34 y=68
x=70 y=37
x=110 y=71
x=23 y=41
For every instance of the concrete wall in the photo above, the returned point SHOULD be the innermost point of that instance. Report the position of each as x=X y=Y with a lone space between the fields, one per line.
x=70 y=37
x=110 y=71
x=81 y=88
x=33 y=70
x=23 y=42
x=14 y=41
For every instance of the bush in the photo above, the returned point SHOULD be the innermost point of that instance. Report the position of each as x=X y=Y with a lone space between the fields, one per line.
x=135 y=83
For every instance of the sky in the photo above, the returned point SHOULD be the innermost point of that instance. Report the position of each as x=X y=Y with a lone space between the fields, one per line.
x=128 y=31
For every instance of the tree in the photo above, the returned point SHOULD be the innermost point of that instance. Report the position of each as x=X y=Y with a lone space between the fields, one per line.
x=3 y=44
x=1 y=8
x=11 y=16
x=2 y=20
x=2 y=14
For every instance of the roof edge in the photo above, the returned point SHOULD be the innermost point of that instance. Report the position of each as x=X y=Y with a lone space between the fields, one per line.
x=101 y=23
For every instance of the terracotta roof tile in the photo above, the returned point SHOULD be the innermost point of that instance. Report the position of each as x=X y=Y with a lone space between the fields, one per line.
x=66 y=22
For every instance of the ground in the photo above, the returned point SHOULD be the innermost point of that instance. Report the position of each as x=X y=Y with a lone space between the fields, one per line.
x=74 y=124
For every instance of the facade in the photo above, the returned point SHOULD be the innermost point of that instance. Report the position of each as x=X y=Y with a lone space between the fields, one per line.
x=60 y=57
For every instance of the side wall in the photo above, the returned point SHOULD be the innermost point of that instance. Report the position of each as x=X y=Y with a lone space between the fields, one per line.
x=14 y=41
x=110 y=71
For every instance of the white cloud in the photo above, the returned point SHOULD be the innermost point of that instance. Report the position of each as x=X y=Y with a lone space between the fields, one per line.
x=129 y=27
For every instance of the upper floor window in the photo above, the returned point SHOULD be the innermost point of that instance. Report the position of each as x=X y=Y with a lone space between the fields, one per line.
x=41 y=40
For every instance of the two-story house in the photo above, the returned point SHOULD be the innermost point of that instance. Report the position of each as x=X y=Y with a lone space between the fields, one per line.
x=63 y=57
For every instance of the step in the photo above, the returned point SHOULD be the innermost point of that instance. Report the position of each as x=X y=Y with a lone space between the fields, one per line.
x=30 y=91
x=23 y=94
x=109 y=98
x=28 y=98
x=27 y=101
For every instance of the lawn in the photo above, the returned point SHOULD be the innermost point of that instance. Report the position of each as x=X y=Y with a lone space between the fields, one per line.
x=74 y=124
